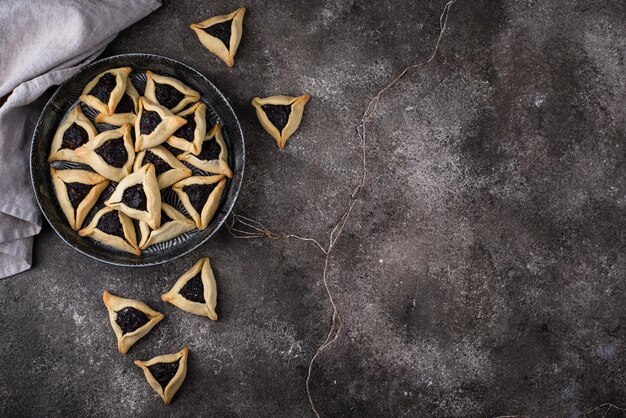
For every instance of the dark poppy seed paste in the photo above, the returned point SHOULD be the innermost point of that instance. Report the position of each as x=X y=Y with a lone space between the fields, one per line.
x=210 y=150
x=125 y=105
x=167 y=95
x=103 y=88
x=164 y=372
x=130 y=319
x=135 y=197
x=77 y=192
x=160 y=165
x=109 y=223
x=221 y=31
x=149 y=121
x=193 y=290
x=113 y=152
x=198 y=194
x=187 y=130
x=278 y=115
x=74 y=137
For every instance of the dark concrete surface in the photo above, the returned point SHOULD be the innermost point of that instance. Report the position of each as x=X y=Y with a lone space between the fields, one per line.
x=482 y=273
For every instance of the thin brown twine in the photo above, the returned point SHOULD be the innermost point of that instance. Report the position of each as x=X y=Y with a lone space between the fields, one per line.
x=512 y=416
x=608 y=407
x=256 y=229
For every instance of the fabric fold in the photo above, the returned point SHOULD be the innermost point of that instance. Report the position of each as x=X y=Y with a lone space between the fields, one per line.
x=41 y=46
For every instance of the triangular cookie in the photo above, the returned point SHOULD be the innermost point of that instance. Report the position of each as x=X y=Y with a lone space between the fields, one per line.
x=110 y=153
x=195 y=291
x=189 y=136
x=280 y=115
x=112 y=228
x=166 y=373
x=138 y=196
x=168 y=169
x=222 y=34
x=125 y=111
x=104 y=92
x=77 y=191
x=201 y=196
x=131 y=319
x=213 y=155
x=154 y=124
x=169 y=92
x=173 y=223
x=75 y=131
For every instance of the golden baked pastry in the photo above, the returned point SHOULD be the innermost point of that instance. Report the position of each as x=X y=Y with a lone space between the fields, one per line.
x=138 y=196
x=125 y=111
x=280 y=116
x=77 y=191
x=75 y=131
x=159 y=142
x=222 y=34
x=167 y=167
x=173 y=223
x=195 y=291
x=110 y=154
x=114 y=229
x=104 y=92
x=213 y=155
x=166 y=373
x=189 y=136
x=131 y=319
x=169 y=92
x=154 y=124
x=201 y=196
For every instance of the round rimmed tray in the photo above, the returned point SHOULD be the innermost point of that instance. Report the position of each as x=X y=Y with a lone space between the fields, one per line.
x=66 y=98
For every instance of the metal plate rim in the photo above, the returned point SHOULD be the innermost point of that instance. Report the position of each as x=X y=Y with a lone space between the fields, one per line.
x=236 y=181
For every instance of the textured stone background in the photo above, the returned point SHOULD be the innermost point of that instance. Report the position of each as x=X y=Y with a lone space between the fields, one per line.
x=482 y=273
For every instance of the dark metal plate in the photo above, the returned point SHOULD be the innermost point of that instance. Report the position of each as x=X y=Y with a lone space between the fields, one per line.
x=66 y=97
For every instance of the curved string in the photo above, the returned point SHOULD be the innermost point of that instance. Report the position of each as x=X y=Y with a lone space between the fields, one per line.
x=242 y=227
x=608 y=406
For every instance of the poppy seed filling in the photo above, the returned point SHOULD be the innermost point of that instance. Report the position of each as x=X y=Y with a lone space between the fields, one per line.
x=76 y=192
x=278 y=115
x=113 y=152
x=126 y=105
x=160 y=165
x=221 y=31
x=74 y=137
x=149 y=121
x=167 y=95
x=187 y=130
x=193 y=290
x=175 y=151
x=210 y=150
x=130 y=319
x=109 y=223
x=103 y=88
x=198 y=194
x=135 y=197
x=164 y=372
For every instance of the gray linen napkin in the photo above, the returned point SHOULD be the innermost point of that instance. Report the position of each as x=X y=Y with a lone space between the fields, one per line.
x=41 y=45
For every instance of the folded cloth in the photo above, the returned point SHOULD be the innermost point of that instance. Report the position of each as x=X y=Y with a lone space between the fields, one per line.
x=41 y=45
